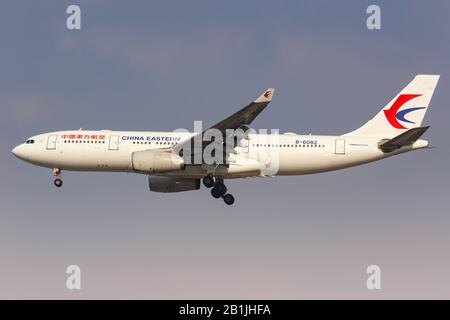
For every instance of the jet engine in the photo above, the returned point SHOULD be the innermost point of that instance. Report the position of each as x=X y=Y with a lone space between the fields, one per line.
x=156 y=161
x=169 y=184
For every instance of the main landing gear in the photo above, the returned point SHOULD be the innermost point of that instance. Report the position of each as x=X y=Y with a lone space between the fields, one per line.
x=219 y=190
x=57 y=182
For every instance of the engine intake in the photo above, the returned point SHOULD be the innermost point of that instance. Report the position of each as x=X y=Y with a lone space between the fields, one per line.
x=156 y=161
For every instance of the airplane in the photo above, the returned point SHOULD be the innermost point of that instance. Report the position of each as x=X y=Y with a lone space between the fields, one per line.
x=166 y=157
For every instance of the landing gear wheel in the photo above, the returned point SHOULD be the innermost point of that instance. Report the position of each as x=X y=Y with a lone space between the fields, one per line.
x=58 y=182
x=215 y=193
x=220 y=189
x=228 y=199
x=208 y=181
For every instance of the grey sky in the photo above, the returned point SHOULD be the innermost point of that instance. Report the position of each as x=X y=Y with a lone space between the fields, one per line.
x=160 y=65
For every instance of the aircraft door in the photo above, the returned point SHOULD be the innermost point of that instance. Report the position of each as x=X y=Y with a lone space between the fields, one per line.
x=245 y=143
x=51 y=142
x=340 y=146
x=113 y=143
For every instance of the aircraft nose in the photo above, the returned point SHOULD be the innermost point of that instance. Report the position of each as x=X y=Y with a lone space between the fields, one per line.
x=18 y=151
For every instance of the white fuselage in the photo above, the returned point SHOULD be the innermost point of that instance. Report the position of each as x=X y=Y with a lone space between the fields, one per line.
x=259 y=155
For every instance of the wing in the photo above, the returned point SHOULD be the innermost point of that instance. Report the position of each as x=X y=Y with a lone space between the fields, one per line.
x=243 y=117
x=246 y=115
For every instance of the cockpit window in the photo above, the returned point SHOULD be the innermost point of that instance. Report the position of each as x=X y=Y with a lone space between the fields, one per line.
x=29 y=141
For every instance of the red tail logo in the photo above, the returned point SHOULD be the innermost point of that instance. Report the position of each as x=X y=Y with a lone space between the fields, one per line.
x=391 y=113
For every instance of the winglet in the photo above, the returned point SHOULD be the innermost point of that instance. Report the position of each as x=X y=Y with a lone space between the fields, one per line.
x=266 y=96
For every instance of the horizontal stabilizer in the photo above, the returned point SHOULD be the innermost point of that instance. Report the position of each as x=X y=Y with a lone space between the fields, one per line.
x=404 y=139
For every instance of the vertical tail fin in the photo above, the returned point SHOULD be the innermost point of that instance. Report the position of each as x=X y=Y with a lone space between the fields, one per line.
x=404 y=112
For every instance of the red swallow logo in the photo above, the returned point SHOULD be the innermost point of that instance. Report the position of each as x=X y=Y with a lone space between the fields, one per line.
x=391 y=113
x=266 y=94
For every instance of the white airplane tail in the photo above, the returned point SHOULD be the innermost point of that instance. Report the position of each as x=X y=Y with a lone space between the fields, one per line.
x=404 y=112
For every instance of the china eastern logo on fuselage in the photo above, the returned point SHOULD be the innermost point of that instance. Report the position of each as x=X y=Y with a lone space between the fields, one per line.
x=393 y=115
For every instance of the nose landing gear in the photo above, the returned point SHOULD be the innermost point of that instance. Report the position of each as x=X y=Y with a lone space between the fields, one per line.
x=57 y=182
x=219 y=190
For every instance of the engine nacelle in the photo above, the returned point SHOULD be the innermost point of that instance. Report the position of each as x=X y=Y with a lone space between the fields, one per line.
x=156 y=161
x=168 y=184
